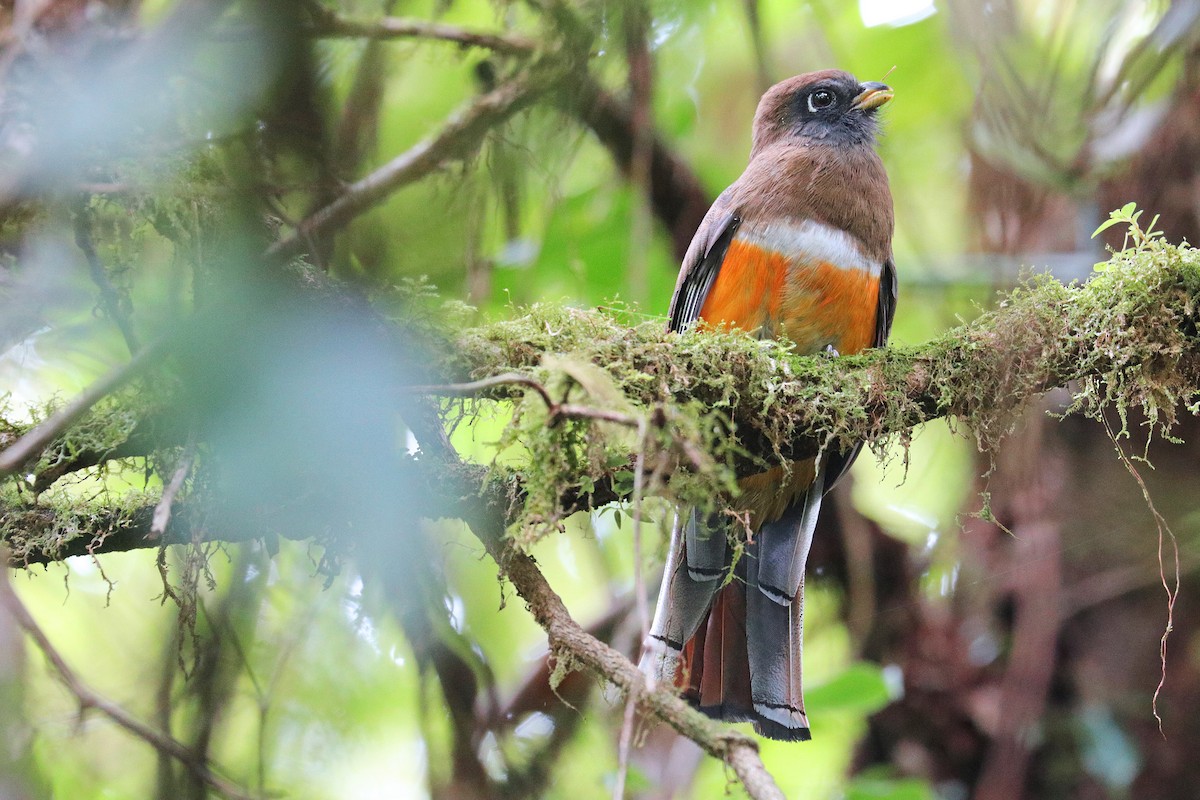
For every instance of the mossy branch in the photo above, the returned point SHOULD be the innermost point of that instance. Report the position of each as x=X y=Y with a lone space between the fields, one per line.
x=1125 y=339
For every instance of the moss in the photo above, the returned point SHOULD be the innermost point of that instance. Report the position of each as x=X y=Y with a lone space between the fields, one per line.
x=1125 y=339
x=60 y=524
x=704 y=407
x=67 y=508
x=101 y=431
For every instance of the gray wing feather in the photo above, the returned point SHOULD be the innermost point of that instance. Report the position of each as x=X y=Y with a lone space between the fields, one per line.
x=701 y=265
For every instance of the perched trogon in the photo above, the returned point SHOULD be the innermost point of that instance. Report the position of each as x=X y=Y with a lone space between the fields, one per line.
x=799 y=247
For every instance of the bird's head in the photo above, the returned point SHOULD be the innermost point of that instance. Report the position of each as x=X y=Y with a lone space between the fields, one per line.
x=830 y=107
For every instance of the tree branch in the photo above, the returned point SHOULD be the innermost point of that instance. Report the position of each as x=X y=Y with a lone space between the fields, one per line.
x=328 y=24
x=677 y=197
x=31 y=445
x=485 y=517
x=1129 y=336
x=461 y=136
x=36 y=534
x=110 y=299
x=88 y=699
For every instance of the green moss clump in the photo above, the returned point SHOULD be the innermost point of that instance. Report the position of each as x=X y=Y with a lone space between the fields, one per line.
x=1127 y=338
x=62 y=524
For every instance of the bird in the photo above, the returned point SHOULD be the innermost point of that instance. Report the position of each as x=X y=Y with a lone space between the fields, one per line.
x=797 y=248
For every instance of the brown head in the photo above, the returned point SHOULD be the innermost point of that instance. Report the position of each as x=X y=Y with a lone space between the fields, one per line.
x=830 y=107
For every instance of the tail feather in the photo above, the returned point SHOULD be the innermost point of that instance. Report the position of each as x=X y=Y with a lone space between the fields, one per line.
x=775 y=616
x=735 y=649
x=783 y=546
x=774 y=636
x=696 y=564
x=705 y=546
x=720 y=673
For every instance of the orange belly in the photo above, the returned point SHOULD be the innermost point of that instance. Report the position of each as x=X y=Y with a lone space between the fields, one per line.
x=810 y=302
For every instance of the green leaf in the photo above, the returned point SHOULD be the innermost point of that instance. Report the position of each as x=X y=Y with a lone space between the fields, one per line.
x=601 y=389
x=871 y=787
x=615 y=459
x=1108 y=223
x=860 y=689
x=1127 y=213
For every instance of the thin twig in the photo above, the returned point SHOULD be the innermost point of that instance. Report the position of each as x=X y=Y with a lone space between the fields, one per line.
x=480 y=386
x=639 y=578
x=88 y=699
x=761 y=55
x=357 y=129
x=576 y=411
x=641 y=88
x=557 y=411
x=109 y=298
x=328 y=25
x=31 y=445
x=162 y=511
x=643 y=616
x=623 y=744
x=461 y=136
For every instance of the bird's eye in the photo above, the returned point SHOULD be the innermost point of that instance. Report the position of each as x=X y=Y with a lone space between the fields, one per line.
x=822 y=98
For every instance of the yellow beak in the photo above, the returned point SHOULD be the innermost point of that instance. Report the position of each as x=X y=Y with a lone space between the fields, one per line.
x=872 y=96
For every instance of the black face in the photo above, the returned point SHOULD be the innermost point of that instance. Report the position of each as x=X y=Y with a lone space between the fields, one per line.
x=827 y=110
x=822 y=101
